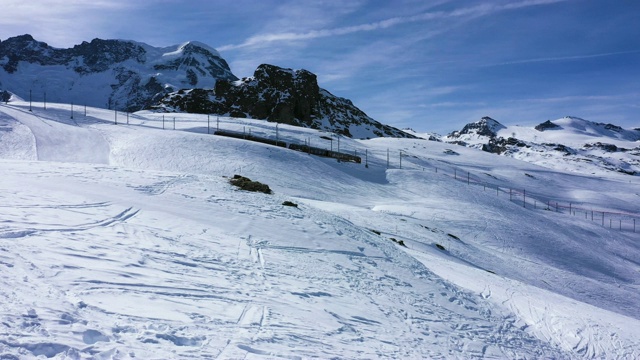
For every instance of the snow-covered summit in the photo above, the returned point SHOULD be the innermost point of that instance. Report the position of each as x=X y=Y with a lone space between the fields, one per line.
x=578 y=126
x=129 y=75
x=192 y=47
x=569 y=143
x=120 y=74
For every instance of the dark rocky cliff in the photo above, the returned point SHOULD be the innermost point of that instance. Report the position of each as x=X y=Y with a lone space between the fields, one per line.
x=281 y=95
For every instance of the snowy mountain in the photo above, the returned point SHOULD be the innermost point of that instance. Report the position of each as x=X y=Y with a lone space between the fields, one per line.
x=120 y=74
x=486 y=127
x=131 y=76
x=129 y=242
x=569 y=143
x=285 y=96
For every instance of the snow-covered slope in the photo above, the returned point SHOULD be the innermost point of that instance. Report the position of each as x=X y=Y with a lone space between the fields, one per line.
x=567 y=144
x=131 y=243
x=120 y=74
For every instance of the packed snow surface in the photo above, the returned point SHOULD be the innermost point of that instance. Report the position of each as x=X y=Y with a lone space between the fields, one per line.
x=127 y=241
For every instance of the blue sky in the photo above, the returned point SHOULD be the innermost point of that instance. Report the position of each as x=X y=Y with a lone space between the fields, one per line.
x=429 y=65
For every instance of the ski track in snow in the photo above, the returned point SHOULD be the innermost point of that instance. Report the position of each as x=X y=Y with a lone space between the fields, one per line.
x=143 y=259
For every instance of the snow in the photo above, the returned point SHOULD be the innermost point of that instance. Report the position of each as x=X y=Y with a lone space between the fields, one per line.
x=179 y=49
x=61 y=83
x=587 y=142
x=575 y=132
x=127 y=241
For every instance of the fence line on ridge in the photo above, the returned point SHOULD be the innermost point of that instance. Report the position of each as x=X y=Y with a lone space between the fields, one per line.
x=614 y=220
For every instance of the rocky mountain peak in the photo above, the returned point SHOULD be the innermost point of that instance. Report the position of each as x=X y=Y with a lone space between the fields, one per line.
x=198 y=62
x=486 y=126
x=22 y=48
x=191 y=77
x=266 y=73
x=547 y=125
x=99 y=55
x=281 y=95
x=23 y=42
x=195 y=47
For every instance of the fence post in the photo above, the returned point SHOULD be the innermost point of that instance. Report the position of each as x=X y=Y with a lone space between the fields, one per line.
x=524 y=198
x=497 y=190
x=208 y=121
x=162 y=122
x=455 y=174
x=468 y=177
x=610 y=221
x=217 y=123
x=557 y=206
x=620 y=224
x=174 y=123
x=634 y=225
x=569 y=208
x=366 y=158
x=603 y=218
x=510 y=195
x=400 y=159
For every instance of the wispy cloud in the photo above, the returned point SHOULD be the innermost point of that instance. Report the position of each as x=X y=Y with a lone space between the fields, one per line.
x=456 y=104
x=564 y=58
x=580 y=98
x=474 y=11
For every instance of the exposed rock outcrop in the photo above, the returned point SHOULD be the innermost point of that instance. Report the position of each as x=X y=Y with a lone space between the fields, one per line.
x=191 y=77
x=547 y=125
x=485 y=127
x=501 y=145
x=281 y=95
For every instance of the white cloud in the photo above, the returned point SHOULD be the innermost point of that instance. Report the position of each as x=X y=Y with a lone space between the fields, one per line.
x=564 y=58
x=288 y=36
x=580 y=98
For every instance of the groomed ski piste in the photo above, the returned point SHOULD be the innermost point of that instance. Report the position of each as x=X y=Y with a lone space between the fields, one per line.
x=127 y=241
